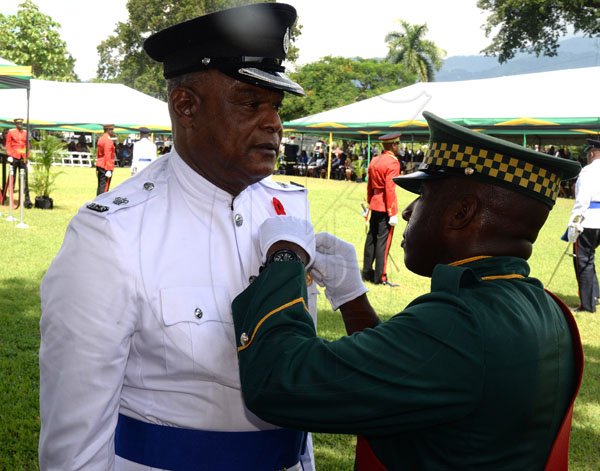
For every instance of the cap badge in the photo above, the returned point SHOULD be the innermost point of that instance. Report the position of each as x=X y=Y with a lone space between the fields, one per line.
x=286 y=41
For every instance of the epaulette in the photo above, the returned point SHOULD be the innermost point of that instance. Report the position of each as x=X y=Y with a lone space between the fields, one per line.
x=125 y=196
x=274 y=185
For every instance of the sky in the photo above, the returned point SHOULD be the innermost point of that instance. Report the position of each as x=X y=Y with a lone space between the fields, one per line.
x=329 y=27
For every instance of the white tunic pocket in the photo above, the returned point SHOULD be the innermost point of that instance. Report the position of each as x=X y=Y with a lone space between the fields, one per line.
x=199 y=336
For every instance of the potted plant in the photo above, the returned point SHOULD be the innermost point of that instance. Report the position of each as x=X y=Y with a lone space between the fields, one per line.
x=48 y=150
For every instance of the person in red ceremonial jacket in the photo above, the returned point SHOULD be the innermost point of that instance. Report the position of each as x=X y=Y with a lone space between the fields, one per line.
x=105 y=158
x=16 y=149
x=383 y=205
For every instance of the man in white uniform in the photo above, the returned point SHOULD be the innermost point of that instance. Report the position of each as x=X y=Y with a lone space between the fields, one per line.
x=584 y=228
x=138 y=358
x=144 y=152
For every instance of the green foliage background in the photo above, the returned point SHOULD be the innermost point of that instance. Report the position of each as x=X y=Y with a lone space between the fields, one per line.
x=335 y=207
x=33 y=39
x=536 y=25
x=337 y=81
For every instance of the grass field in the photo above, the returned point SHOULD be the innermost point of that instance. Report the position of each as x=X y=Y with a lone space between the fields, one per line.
x=335 y=207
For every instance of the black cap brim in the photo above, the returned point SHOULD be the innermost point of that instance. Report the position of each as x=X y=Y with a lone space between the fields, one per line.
x=412 y=181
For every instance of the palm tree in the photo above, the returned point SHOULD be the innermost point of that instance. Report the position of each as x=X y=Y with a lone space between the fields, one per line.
x=418 y=55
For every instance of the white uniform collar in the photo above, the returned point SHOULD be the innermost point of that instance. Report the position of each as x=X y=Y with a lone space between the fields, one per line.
x=195 y=184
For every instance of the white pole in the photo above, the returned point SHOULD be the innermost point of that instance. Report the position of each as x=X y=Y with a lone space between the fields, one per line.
x=21 y=224
x=11 y=196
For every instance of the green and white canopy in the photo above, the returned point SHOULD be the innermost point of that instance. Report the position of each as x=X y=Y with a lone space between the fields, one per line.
x=14 y=76
x=559 y=103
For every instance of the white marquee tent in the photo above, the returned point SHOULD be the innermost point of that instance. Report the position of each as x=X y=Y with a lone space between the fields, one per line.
x=561 y=103
x=76 y=107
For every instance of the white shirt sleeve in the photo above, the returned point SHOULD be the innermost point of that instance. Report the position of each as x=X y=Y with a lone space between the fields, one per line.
x=88 y=318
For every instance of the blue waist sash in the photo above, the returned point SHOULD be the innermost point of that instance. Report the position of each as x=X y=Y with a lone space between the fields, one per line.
x=145 y=160
x=595 y=204
x=185 y=449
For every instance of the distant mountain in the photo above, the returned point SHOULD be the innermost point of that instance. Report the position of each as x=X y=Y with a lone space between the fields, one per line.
x=573 y=53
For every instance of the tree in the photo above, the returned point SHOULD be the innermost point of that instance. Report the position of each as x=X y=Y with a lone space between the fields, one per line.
x=31 y=38
x=337 y=81
x=122 y=58
x=536 y=25
x=418 y=55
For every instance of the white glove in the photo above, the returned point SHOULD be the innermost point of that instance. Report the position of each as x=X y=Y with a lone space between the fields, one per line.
x=574 y=228
x=10 y=160
x=336 y=268
x=393 y=220
x=108 y=174
x=289 y=228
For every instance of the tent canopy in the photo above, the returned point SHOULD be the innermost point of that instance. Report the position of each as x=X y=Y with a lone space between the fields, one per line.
x=69 y=106
x=14 y=76
x=558 y=103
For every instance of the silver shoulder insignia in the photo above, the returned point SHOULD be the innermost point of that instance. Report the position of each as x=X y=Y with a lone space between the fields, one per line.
x=100 y=208
x=119 y=201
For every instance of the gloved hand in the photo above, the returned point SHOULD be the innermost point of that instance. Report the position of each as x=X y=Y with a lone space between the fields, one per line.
x=289 y=228
x=108 y=174
x=10 y=160
x=336 y=268
x=574 y=228
x=393 y=220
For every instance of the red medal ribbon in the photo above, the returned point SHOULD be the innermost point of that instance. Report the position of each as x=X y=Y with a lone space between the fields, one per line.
x=279 y=209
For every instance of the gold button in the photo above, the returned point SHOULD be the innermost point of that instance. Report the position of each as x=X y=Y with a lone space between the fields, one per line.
x=469 y=171
x=244 y=338
x=309 y=279
x=198 y=313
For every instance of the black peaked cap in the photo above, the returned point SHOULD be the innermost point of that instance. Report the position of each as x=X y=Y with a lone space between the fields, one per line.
x=248 y=43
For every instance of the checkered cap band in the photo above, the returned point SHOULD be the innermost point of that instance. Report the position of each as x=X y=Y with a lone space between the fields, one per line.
x=509 y=169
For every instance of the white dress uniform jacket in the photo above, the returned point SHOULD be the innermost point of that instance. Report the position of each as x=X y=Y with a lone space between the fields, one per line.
x=587 y=192
x=136 y=312
x=144 y=153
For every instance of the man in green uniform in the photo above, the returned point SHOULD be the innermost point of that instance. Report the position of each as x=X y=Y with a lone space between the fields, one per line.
x=476 y=374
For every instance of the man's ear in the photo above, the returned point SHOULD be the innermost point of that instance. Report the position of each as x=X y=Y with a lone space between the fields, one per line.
x=184 y=103
x=461 y=212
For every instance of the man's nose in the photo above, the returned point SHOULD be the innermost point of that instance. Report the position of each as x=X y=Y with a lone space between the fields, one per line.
x=272 y=121
x=407 y=212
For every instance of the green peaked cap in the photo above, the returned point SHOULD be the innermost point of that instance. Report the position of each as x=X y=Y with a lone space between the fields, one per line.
x=455 y=150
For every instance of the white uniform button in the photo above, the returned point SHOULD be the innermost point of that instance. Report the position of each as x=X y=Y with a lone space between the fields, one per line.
x=244 y=338
x=198 y=313
x=239 y=219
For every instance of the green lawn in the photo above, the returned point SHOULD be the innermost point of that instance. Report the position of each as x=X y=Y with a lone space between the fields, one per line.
x=335 y=207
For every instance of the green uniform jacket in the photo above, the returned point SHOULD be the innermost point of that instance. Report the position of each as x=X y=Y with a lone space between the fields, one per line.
x=476 y=374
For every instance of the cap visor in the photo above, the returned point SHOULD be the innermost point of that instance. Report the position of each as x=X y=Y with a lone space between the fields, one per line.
x=267 y=79
x=412 y=182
